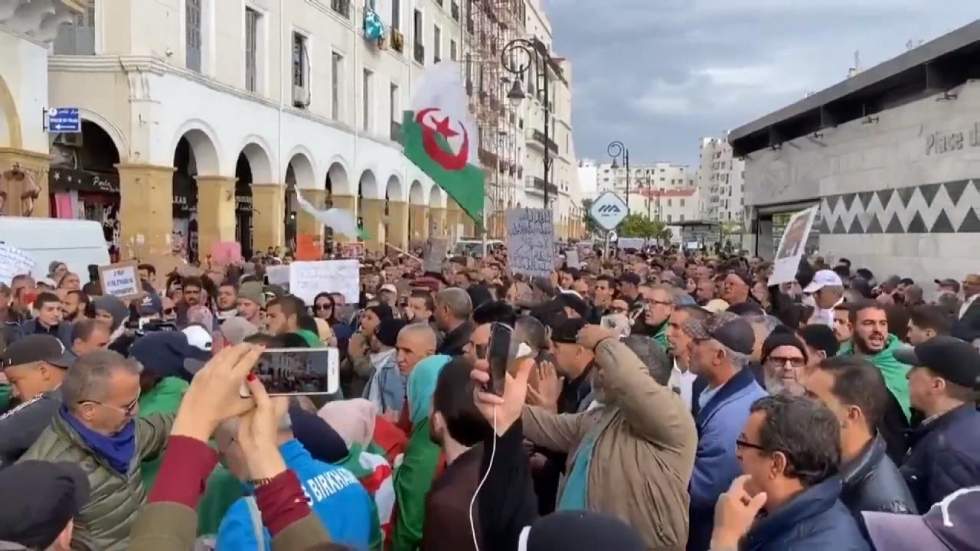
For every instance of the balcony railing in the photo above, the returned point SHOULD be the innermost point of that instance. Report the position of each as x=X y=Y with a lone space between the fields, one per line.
x=341 y=6
x=537 y=184
x=539 y=137
x=420 y=53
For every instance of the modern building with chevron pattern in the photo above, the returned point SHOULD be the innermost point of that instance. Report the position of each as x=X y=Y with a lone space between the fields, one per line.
x=891 y=155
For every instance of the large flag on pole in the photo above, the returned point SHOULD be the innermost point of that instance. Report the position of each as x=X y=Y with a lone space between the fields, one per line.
x=440 y=136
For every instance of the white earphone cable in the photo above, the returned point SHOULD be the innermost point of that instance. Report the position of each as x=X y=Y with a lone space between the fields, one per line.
x=493 y=452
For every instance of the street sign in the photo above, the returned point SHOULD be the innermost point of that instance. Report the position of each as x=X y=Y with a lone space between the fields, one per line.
x=608 y=211
x=64 y=120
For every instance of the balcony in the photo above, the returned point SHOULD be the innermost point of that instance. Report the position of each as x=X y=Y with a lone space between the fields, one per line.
x=455 y=10
x=396 y=131
x=420 y=54
x=539 y=137
x=488 y=159
x=536 y=185
x=341 y=6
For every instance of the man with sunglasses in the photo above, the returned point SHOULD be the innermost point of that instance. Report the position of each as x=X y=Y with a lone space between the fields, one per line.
x=98 y=428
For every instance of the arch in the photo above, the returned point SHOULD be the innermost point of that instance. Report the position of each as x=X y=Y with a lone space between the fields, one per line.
x=256 y=151
x=436 y=198
x=302 y=170
x=393 y=191
x=9 y=111
x=204 y=145
x=111 y=130
x=367 y=186
x=339 y=182
x=416 y=195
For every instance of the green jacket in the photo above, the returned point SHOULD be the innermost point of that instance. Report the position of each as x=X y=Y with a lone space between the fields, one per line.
x=104 y=523
x=165 y=397
x=170 y=526
x=413 y=478
x=891 y=369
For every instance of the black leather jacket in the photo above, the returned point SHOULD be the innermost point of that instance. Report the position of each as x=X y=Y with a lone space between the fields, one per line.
x=872 y=482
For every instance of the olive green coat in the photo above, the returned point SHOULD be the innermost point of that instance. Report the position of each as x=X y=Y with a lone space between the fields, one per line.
x=104 y=522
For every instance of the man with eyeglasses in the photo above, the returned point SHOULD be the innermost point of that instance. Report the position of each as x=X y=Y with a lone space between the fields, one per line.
x=783 y=358
x=658 y=303
x=98 y=428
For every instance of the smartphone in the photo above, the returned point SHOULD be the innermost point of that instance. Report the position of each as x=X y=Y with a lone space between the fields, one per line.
x=298 y=371
x=498 y=355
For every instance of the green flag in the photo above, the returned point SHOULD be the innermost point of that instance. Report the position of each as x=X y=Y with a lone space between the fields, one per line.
x=440 y=136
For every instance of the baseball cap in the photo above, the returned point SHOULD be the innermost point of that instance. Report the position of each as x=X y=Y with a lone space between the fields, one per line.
x=951 y=283
x=389 y=287
x=565 y=330
x=48 y=496
x=37 y=348
x=823 y=278
x=953 y=523
x=727 y=328
x=950 y=358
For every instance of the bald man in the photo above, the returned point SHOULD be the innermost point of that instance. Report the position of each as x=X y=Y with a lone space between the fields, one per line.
x=415 y=343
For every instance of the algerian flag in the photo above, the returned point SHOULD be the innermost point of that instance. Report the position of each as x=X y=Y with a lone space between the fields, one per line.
x=440 y=136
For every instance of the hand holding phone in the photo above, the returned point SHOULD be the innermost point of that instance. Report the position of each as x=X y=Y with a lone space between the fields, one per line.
x=298 y=371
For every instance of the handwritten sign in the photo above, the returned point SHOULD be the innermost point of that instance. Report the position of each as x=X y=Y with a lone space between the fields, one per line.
x=435 y=253
x=792 y=246
x=224 y=253
x=120 y=280
x=277 y=275
x=13 y=262
x=530 y=242
x=307 y=279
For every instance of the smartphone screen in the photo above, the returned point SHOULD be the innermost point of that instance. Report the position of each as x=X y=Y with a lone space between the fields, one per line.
x=299 y=371
x=498 y=354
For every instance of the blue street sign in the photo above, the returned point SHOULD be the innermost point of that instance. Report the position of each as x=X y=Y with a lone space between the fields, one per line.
x=64 y=120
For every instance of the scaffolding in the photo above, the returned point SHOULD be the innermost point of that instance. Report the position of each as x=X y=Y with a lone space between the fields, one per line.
x=487 y=27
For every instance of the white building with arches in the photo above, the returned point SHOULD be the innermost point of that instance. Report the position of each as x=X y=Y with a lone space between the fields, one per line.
x=229 y=107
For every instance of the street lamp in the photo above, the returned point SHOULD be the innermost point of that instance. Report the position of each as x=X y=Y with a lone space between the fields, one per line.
x=616 y=149
x=517 y=57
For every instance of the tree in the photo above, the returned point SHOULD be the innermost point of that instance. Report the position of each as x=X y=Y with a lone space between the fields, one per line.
x=638 y=225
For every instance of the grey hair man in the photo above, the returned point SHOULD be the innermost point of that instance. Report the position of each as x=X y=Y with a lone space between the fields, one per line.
x=99 y=427
x=719 y=350
x=452 y=315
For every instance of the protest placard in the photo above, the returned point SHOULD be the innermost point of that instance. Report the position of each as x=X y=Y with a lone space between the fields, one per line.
x=13 y=262
x=121 y=280
x=572 y=260
x=435 y=252
x=530 y=242
x=352 y=250
x=277 y=275
x=307 y=279
x=792 y=246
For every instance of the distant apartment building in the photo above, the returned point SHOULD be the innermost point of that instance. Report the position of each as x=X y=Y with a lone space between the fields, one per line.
x=658 y=175
x=720 y=180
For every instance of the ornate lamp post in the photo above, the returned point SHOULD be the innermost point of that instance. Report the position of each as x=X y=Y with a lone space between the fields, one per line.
x=615 y=150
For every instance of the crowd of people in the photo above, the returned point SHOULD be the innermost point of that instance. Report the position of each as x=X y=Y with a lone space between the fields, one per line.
x=652 y=400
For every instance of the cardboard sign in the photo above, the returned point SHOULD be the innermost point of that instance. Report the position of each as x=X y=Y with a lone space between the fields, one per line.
x=121 y=280
x=530 y=242
x=792 y=246
x=277 y=275
x=13 y=262
x=436 y=249
x=308 y=247
x=572 y=260
x=352 y=250
x=226 y=253
x=308 y=279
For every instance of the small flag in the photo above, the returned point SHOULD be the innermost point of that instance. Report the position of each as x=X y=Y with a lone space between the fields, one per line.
x=440 y=136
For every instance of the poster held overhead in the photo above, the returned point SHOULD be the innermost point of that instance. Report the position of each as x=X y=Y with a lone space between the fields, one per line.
x=121 y=280
x=307 y=279
x=530 y=242
x=792 y=246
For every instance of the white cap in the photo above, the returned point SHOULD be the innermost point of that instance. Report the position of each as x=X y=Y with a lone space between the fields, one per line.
x=198 y=337
x=389 y=287
x=822 y=279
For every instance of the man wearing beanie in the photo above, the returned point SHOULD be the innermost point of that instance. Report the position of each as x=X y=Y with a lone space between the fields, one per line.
x=251 y=302
x=48 y=496
x=784 y=357
x=386 y=387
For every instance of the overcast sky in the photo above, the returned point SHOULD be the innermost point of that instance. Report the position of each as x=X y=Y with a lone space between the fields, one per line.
x=660 y=74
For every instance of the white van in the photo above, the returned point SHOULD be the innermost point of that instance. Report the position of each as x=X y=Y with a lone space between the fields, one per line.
x=77 y=243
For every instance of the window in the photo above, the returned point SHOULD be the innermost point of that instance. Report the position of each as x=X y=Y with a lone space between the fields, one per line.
x=395 y=115
x=452 y=49
x=192 y=34
x=301 y=72
x=668 y=202
x=341 y=6
x=77 y=36
x=366 y=100
x=682 y=202
x=436 y=44
x=251 y=49
x=417 y=37
x=336 y=79
x=682 y=218
x=396 y=14
x=670 y=218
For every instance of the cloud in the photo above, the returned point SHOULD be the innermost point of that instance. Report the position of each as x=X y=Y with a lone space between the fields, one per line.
x=660 y=74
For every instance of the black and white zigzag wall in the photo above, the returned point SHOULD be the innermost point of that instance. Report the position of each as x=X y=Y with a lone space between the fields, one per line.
x=948 y=207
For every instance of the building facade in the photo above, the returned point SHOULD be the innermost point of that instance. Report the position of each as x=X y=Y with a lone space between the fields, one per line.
x=720 y=179
x=659 y=175
x=889 y=158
